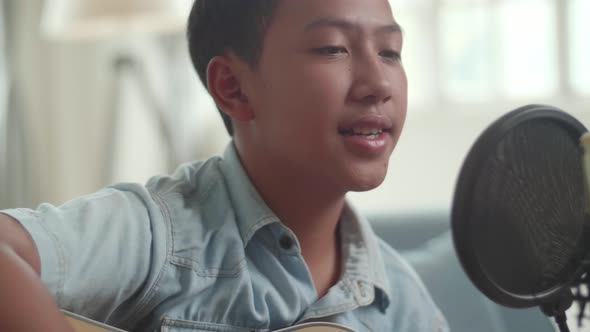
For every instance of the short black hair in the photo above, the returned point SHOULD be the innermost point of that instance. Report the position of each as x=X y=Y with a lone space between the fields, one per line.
x=219 y=26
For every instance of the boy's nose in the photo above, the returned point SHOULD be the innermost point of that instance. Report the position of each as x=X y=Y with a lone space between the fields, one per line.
x=370 y=85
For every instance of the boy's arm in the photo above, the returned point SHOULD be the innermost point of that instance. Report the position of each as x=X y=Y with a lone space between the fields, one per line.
x=26 y=304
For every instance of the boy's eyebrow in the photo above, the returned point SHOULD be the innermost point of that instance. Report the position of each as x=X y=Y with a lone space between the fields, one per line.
x=347 y=25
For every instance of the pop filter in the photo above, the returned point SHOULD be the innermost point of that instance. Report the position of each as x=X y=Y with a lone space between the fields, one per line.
x=519 y=217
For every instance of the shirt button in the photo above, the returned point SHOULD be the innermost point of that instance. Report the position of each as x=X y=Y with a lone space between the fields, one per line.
x=362 y=289
x=286 y=242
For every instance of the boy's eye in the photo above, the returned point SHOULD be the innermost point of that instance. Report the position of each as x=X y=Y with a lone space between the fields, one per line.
x=394 y=55
x=330 y=50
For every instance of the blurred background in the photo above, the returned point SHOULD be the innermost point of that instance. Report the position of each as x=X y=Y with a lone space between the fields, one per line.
x=96 y=92
x=87 y=99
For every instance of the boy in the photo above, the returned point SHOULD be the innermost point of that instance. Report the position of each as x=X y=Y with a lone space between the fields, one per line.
x=314 y=95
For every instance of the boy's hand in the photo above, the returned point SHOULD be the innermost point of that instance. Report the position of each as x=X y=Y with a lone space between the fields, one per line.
x=26 y=304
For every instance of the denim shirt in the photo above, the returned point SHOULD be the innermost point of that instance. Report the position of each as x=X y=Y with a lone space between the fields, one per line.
x=201 y=251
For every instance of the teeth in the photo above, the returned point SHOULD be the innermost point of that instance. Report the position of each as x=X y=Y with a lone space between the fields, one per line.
x=367 y=131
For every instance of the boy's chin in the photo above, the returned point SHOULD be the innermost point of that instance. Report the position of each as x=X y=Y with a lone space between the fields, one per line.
x=367 y=177
x=367 y=184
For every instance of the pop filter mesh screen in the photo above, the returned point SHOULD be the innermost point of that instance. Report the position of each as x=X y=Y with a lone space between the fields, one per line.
x=528 y=208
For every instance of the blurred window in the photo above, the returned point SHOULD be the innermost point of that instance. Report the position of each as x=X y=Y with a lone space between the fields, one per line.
x=579 y=39
x=465 y=51
x=468 y=62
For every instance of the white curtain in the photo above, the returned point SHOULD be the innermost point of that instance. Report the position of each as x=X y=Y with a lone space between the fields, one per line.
x=3 y=66
x=13 y=182
x=3 y=106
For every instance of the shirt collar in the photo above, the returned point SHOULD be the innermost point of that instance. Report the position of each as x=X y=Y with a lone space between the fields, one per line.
x=362 y=255
x=251 y=211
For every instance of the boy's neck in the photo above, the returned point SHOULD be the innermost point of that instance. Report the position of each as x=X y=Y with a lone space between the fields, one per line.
x=310 y=210
x=314 y=220
x=311 y=213
x=304 y=203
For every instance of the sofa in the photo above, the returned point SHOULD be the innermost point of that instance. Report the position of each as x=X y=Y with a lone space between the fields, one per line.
x=424 y=239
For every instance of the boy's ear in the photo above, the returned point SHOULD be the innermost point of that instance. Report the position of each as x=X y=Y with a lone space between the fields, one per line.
x=225 y=88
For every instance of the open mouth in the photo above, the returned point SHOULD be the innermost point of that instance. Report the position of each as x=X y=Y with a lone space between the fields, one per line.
x=369 y=133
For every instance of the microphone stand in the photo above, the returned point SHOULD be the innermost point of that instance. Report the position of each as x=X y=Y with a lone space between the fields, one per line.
x=581 y=298
x=557 y=309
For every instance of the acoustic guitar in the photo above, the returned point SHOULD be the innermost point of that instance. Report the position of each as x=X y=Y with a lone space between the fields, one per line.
x=83 y=324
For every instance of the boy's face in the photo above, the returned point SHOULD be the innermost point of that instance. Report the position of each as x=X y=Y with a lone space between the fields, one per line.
x=329 y=92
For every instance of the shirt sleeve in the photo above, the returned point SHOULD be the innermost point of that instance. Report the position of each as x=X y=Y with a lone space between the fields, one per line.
x=99 y=251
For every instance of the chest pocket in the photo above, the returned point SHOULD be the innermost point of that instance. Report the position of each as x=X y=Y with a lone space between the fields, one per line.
x=177 y=325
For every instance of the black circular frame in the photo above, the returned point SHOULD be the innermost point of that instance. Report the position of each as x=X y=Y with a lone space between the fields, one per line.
x=461 y=214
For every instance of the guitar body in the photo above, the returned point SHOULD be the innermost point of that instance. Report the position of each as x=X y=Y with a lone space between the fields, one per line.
x=317 y=327
x=82 y=324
